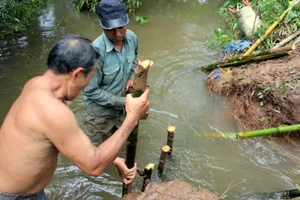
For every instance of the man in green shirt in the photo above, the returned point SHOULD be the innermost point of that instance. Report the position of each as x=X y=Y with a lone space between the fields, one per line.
x=104 y=96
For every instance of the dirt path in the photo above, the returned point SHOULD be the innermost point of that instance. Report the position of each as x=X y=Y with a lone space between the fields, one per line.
x=263 y=94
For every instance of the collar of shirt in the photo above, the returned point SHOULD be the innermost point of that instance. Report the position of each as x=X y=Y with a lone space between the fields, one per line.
x=110 y=46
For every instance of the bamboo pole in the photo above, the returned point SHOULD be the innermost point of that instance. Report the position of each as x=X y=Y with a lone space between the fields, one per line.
x=283 y=49
x=263 y=132
x=286 y=194
x=276 y=53
x=171 y=131
x=147 y=175
x=286 y=40
x=139 y=86
x=163 y=157
x=268 y=31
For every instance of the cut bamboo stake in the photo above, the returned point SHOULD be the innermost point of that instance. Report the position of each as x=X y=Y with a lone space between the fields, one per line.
x=147 y=175
x=163 y=157
x=268 y=31
x=286 y=40
x=263 y=132
x=171 y=131
x=139 y=86
x=276 y=53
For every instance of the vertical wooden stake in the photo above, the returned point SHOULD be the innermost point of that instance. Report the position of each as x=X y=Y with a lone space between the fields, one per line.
x=147 y=175
x=139 y=86
x=171 y=131
x=163 y=157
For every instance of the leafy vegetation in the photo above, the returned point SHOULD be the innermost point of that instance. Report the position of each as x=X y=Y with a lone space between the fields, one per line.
x=16 y=15
x=131 y=6
x=268 y=12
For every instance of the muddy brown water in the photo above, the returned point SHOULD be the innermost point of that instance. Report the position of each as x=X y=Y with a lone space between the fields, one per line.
x=176 y=40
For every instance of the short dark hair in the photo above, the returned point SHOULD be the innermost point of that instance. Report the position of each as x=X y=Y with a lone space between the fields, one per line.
x=71 y=52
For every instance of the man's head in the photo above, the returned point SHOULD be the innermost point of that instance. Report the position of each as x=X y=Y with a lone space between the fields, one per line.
x=113 y=18
x=75 y=57
x=112 y=14
x=72 y=52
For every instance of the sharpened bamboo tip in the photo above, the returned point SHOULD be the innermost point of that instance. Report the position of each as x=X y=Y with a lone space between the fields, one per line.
x=166 y=148
x=150 y=166
x=171 y=129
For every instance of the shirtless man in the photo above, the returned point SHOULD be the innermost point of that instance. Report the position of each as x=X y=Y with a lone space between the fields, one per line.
x=39 y=125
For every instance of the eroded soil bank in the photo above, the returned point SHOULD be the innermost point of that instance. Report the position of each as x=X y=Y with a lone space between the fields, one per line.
x=263 y=94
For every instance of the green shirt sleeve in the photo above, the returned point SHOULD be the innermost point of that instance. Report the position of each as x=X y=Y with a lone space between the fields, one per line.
x=100 y=96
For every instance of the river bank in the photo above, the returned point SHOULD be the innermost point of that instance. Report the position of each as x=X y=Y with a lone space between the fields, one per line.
x=262 y=94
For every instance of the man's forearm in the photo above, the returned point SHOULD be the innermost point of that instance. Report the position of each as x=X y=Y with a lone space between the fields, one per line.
x=107 y=151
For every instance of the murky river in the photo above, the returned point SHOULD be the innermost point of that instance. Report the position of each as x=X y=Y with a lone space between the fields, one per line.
x=176 y=40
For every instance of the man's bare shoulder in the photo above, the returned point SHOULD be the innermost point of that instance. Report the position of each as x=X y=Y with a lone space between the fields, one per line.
x=38 y=92
x=40 y=103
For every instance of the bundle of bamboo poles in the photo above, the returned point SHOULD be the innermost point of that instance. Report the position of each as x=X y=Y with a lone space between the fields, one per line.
x=273 y=53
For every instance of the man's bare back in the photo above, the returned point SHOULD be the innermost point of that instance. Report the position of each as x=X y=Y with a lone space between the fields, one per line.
x=28 y=158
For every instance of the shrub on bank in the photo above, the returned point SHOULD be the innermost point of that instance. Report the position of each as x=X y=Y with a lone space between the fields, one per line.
x=16 y=15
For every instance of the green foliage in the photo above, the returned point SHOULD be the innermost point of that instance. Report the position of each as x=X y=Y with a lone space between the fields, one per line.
x=263 y=93
x=228 y=33
x=91 y=5
x=132 y=5
x=264 y=118
x=268 y=12
x=16 y=15
x=86 y=5
x=284 y=86
x=141 y=20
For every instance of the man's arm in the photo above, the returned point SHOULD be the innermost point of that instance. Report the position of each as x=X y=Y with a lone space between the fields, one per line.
x=100 y=96
x=127 y=175
x=63 y=131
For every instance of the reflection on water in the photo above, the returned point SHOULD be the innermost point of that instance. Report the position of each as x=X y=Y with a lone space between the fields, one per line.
x=176 y=40
x=47 y=22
